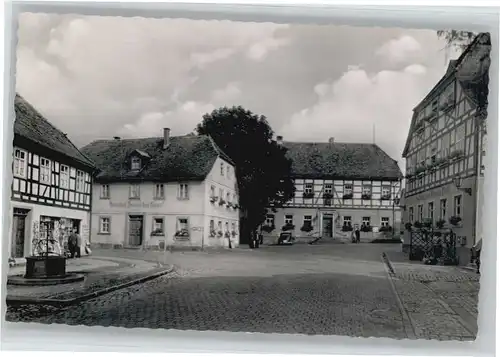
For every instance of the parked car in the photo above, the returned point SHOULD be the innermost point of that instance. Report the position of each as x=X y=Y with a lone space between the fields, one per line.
x=286 y=238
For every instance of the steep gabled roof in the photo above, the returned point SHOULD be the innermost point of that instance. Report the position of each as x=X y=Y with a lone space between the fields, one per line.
x=447 y=77
x=31 y=125
x=186 y=158
x=341 y=161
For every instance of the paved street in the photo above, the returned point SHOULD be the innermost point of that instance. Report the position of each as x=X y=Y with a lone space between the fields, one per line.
x=323 y=289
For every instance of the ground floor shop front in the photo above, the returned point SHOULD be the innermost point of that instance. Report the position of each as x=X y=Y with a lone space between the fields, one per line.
x=32 y=224
x=446 y=204
x=306 y=224
x=161 y=231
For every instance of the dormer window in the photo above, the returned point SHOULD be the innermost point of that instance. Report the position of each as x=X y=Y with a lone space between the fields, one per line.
x=135 y=163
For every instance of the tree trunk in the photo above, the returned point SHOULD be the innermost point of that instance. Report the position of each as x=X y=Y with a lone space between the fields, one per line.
x=244 y=229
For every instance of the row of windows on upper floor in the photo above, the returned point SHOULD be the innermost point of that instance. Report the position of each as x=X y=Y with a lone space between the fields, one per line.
x=443 y=148
x=308 y=221
x=444 y=101
x=437 y=168
x=367 y=190
x=223 y=197
x=436 y=174
x=443 y=214
x=225 y=170
x=159 y=193
x=447 y=146
x=20 y=170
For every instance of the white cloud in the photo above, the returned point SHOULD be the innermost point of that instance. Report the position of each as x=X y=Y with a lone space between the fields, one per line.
x=184 y=118
x=416 y=69
x=400 y=50
x=229 y=93
x=200 y=60
x=348 y=107
x=96 y=77
x=81 y=67
x=258 y=51
x=321 y=89
x=182 y=121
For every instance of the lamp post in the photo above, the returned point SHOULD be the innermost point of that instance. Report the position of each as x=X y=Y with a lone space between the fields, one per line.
x=395 y=202
x=457 y=181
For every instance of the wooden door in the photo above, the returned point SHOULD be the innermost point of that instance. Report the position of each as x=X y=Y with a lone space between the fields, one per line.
x=327 y=226
x=135 y=230
x=18 y=235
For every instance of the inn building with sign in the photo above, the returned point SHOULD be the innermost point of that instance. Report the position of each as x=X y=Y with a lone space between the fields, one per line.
x=338 y=186
x=51 y=184
x=445 y=150
x=166 y=191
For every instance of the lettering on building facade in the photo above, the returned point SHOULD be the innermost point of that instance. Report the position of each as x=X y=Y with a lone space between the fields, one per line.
x=133 y=204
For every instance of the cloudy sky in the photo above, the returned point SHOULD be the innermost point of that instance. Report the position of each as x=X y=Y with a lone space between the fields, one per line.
x=98 y=77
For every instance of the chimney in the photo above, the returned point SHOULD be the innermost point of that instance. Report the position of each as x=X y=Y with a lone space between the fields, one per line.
x=279 y=140
x=331 y=140
x=166 y=137
x=116 y=137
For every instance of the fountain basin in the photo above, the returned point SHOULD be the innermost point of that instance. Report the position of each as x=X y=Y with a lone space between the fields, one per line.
x=45 y=267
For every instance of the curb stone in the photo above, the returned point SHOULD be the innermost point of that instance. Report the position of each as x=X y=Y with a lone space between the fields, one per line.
x=388 y=263
x=407 y=324
x=69 y=302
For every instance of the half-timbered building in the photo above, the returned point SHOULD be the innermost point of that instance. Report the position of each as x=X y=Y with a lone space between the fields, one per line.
x=445 y=149
x=159 y=192
x=338 y=186
x=51 y=186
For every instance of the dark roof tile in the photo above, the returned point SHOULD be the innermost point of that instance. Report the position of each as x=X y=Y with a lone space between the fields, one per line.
x=31 y=125
x=341 y=161
x=186 y=158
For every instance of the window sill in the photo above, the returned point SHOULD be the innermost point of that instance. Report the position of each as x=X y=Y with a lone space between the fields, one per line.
x=104 y=198
x=104 y=233
x=183 y=198
x=159 y=198
x=134 y=198
x=158 y=235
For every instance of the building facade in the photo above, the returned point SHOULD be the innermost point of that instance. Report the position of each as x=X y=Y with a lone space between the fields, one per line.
x=338 y=186
x=163 y=192
x=445 y=151
x=51 y=186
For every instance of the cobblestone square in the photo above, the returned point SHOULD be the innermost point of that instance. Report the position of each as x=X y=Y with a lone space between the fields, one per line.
x=330 y=290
